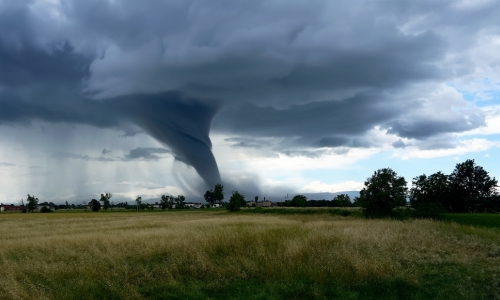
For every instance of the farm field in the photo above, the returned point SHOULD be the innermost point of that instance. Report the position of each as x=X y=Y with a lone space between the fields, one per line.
x=214 y=254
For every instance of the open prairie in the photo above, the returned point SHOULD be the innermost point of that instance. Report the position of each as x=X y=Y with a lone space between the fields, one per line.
x=220 y=255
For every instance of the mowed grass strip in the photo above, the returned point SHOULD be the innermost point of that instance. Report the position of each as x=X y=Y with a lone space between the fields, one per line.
x=479 y=219
x=219 y=255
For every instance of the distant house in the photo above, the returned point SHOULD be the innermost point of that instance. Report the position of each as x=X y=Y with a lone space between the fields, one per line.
x=11 y=207
x=193 y=205
x=45 y=204
x=265 y=203
x=156 y=206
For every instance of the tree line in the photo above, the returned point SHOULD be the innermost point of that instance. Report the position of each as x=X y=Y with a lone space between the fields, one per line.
x=468 y=189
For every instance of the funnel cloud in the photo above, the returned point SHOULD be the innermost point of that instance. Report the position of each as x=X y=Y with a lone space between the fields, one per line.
x=183 y=124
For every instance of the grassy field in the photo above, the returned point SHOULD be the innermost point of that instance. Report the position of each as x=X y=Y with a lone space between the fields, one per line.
x=213 y=254
x=479 y=219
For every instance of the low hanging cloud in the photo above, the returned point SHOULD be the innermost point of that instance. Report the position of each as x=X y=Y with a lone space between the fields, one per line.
x=317 y=74
x=137 y=154
x=146 y=154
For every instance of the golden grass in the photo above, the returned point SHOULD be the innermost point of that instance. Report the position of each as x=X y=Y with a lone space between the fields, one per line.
x=46 y=256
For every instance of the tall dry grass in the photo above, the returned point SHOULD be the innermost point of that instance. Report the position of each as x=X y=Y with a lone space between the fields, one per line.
x=195 y=254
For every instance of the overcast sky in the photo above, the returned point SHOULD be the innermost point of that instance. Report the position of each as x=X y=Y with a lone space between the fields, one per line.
x=268 y=97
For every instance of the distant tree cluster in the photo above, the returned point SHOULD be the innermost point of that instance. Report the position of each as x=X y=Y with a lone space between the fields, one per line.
x=468 y=188
x=216 y=195
x=341 y=200
x=170 y=202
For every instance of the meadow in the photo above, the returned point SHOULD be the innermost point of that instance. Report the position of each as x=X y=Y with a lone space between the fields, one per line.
x=214 y=254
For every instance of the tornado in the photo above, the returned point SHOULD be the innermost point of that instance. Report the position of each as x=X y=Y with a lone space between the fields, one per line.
x=181 y=123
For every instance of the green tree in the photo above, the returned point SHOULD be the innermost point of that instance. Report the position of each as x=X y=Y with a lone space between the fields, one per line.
x=470 y=185
x=430 y=195
x=219 y=193
x=138 y=200
x=165 y=202
x=342 y=200
x=210 y=197
x=298 y=201
x=236 y=201
x=383 y=191
x=95 y=205
x=105 y=200
x=32 y=202
x=179 y=202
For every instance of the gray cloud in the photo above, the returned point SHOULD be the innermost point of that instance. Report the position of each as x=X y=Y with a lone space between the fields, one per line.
x=146 y=153
x=245 y=142
x=438 y=142
x=314 y=74
x=6 y=164
x=399 y=144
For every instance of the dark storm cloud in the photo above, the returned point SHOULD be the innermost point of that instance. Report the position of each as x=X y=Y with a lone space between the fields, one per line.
x=133 y=155
x=313 y=73
x=146 y=153
x=315 y=124
x=419 y=129
x=245 y=142
x=80 y=156
x=399 y=144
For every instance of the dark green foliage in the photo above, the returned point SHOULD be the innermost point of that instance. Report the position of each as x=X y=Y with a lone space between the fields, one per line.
x=167 y=201
x=467 y=189
x=138 y=201
x=479 y=219
x=236 y=201
x=32 y=202
x=489 y=204
x=45 y=209
x=298 y=201
x=383 y=191
x=210 y=197
x=429 y=195
x=342 y=200
x=219 y=193
x=216 y=195
x=105 y=200
x=179 y=202
x=470 y=184
x=95 y=205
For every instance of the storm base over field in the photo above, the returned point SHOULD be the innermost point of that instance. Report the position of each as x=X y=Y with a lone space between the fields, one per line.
x=269 y=98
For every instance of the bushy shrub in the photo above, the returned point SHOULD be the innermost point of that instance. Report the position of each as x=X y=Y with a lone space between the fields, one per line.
x=45 y=209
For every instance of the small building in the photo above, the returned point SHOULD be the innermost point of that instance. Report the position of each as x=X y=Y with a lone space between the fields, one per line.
x=11 y=207
x=45 y=204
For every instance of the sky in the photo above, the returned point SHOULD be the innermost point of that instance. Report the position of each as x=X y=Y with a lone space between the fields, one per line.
x=271 y=98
